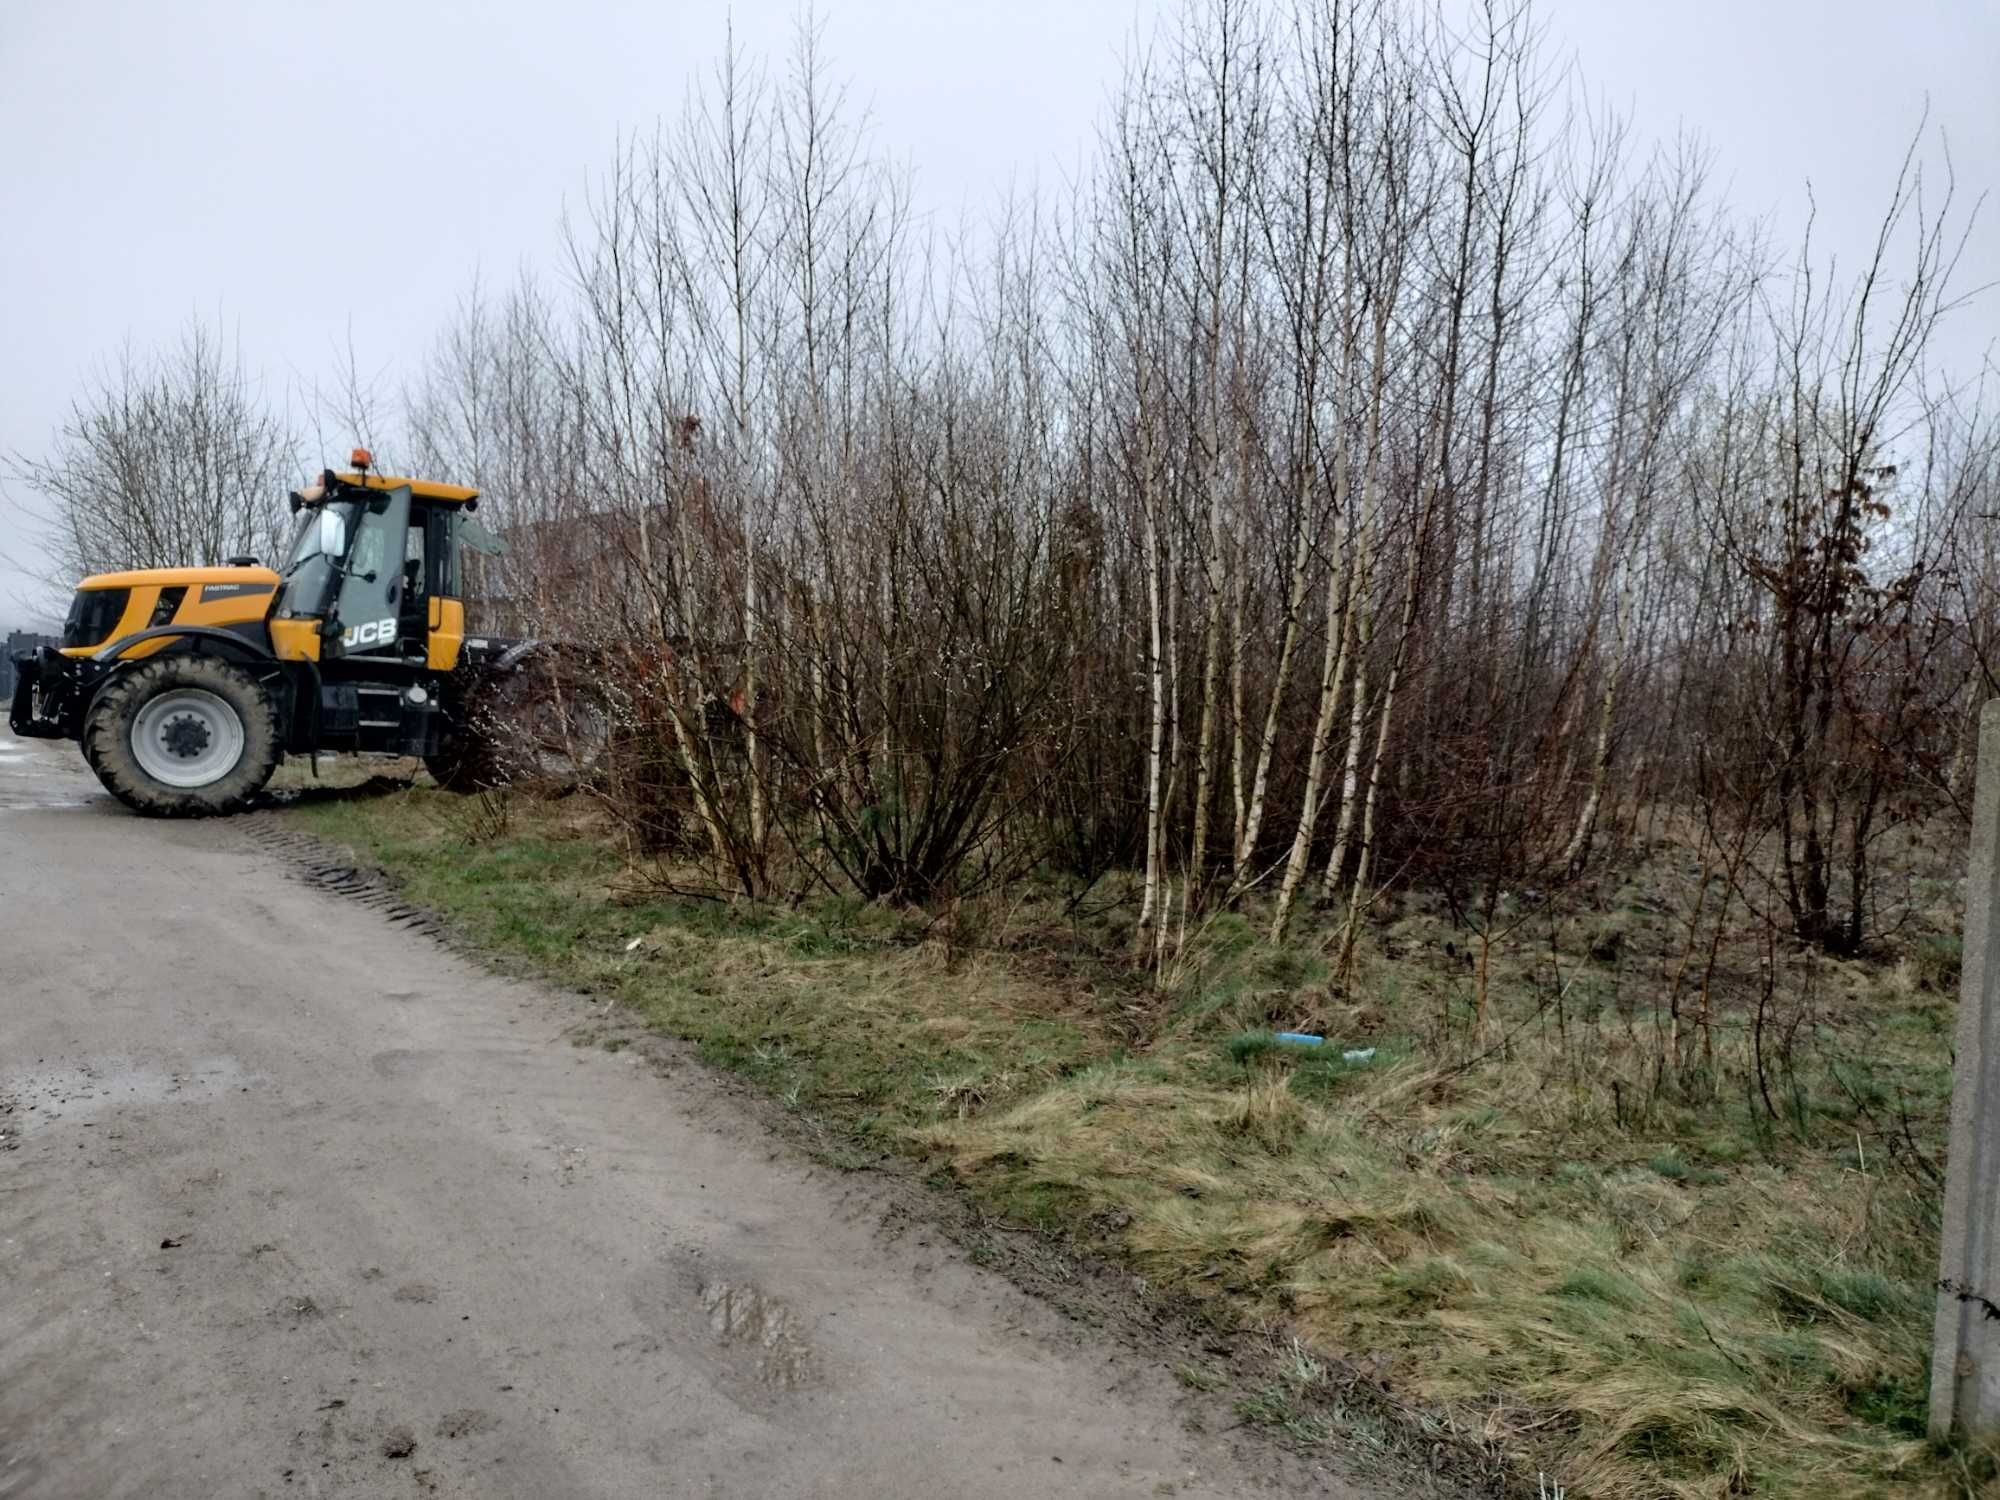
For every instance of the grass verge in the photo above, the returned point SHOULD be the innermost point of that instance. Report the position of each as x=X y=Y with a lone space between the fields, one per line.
x=1645 y=1263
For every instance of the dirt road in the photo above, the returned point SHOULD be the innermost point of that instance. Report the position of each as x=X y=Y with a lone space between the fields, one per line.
x=293 y=1201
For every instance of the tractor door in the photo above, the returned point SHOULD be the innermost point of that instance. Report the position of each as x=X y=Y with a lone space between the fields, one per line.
x=449 y=534
x=368 y=613
x=437 y=617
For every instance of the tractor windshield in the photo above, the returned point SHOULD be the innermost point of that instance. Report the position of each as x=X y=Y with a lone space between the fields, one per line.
x=312 y=567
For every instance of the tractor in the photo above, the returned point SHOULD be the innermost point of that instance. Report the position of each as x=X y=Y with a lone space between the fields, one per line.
x=185 y=687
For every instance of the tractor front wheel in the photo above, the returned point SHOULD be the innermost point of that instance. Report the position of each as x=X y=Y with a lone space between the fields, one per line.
x=183 y=737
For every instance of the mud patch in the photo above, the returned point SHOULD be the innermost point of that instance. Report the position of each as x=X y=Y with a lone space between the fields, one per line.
x=90 y=1090
x=36 y=776
x=742 y=1317
x=297 y=1310
x=400 y=1063
x=415 y=1291
x=398 y=1442
x=466 y=1423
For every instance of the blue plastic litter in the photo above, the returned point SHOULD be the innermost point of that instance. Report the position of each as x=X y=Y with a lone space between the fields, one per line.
x=1303 y=1038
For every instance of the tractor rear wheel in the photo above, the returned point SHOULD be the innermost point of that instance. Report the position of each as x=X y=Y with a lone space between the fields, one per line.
x=183 y=737
x=467 y=762
x=532 y=727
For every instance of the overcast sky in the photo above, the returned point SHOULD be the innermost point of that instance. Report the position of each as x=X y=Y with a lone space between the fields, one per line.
x=294 y=169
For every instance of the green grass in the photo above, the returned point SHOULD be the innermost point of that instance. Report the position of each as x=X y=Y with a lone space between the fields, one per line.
x=1200 y=1377
x=1606 y=1252
x=1937 y=959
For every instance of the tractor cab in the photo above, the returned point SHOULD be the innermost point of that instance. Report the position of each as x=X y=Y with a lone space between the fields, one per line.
x=374 y=570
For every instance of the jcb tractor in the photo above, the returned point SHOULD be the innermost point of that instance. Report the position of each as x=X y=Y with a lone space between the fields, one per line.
x=185 y=687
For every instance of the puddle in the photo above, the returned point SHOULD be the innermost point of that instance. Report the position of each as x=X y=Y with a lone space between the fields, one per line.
x=744 y=1317
x=79 y=1095
x=39 y=775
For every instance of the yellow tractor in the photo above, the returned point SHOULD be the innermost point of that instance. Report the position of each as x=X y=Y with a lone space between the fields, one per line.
x=185 y=687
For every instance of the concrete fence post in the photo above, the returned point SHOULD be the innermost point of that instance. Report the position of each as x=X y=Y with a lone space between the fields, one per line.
x=1965 y=1351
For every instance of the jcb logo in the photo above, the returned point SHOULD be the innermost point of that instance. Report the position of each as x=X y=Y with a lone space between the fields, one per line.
x=375 y=632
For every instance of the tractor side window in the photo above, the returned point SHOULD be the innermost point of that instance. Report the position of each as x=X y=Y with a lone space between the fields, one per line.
x=310 y=574
x=477 y=572
x=442 y=575
x=414 y=580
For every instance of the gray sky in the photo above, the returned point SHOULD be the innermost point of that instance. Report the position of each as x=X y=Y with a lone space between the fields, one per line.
x=296 y=169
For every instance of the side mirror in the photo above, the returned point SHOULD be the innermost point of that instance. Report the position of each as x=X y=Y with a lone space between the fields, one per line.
x=332 y=533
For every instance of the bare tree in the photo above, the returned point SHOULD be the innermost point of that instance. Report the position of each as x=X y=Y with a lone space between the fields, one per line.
x=1839 y=583
x=170 y=459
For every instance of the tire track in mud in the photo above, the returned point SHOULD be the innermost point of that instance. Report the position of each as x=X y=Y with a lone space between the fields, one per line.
x=315 y=862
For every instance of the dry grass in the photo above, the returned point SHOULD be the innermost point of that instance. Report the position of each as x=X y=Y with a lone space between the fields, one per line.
x=1652 y=1337
x=1648 y=1257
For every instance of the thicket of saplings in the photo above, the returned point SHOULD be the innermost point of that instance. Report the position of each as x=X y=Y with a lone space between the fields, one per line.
x=1377 y=470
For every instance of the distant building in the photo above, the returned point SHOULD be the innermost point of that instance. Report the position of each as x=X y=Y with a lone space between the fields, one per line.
x=24 y=641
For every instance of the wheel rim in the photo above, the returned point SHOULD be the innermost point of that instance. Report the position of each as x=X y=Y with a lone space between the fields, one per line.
x=187 y=738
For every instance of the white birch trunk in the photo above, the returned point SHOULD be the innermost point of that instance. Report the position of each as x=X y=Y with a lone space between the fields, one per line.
x=1358 y=622
x=1240 y=801
x=1357 y=901
x=1158 y=707
x=753 y=760
x=1211 y=694
x=1600 y=768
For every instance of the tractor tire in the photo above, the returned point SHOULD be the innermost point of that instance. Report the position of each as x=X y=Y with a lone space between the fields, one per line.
x=469 y=757
x=183 y=737
x=467 y=762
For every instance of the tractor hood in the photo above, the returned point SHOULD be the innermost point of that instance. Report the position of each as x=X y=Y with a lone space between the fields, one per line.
x=107 y=606
x=137 y=578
